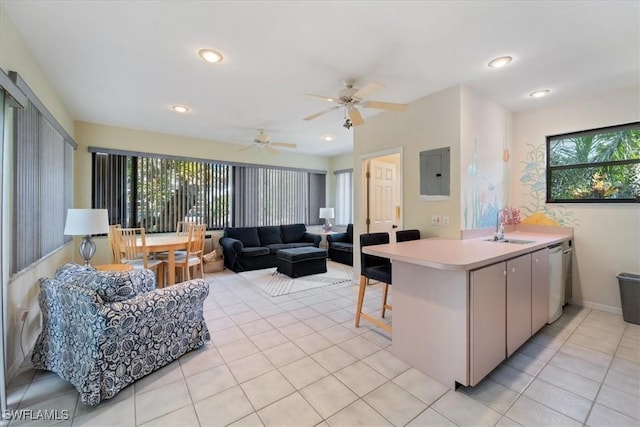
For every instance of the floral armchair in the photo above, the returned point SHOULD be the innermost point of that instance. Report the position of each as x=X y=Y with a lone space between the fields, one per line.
x=101 y=331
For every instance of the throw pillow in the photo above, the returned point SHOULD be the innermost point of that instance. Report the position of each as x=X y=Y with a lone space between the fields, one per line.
x=269 y=235
x=247 y=235
x=293 y=233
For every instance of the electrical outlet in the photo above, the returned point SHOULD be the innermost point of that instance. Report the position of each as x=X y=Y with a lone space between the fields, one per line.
x=445 y=221
x=22 y=314
x=435 y=220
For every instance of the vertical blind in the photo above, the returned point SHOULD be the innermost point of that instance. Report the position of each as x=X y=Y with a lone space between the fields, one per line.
x=268 y=196
x=42 y=189
x=155 y=192
x=344 y=197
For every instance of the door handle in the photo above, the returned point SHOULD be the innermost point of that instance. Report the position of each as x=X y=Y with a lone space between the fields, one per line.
x=394 y=226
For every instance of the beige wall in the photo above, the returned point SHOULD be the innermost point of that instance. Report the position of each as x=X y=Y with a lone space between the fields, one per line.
x=112 y=137
x=606 y=235
x=485 y=133
x=22 y=289
x=429 y=122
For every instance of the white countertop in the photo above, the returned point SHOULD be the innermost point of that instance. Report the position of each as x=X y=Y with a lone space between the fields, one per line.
x=468 y=254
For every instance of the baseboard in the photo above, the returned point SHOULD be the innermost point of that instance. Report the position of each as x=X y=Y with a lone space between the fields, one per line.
x=596 y=306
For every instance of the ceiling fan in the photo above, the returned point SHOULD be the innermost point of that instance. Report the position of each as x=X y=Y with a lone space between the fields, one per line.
x=263 y=141
x=349 y=98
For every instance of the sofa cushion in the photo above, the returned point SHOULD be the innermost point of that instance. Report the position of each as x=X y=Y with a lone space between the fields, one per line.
x=277 y=246
x=254 y=252
x=115 y=286
x=342 y=246
x=247 y=235
x=269 y=235
x=293 y=233
x=350 y=233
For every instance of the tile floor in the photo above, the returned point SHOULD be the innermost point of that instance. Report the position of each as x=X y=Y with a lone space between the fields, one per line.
x=297 y=360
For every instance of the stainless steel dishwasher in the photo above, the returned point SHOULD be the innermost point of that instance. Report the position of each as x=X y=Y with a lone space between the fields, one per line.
x=556 y=283
x=567 y=270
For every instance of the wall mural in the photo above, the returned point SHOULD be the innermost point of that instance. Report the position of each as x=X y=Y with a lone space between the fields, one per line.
x=480 y=203
x=533 y=178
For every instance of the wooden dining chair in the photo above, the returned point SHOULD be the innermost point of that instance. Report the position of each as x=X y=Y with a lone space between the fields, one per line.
x=182 y=228
x=114 y=243
x=137 y=254
x=194 y=253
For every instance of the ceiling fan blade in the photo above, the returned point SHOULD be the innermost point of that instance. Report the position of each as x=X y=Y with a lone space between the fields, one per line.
x=368 y=90
x=283 y=144
x=391 y=106
x=324 y=98
x=271 y=149
x=356 y=118
x=313 y=116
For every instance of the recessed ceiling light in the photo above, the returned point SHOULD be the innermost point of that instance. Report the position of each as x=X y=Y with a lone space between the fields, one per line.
x=500 y=62
x=180 y=108
x=328 y=137
x=210 y=55
x=539 y=93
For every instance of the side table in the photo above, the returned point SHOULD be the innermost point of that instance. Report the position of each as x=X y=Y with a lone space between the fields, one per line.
x=323 y=243
x=113 y=267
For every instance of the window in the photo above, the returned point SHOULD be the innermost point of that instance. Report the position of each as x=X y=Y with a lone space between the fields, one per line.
x=598 y=165
x=42 y=189
x=155 y=191
x=344 y=197
x=271 y=196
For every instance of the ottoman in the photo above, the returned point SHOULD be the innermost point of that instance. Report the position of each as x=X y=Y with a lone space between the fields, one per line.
x=297 y=262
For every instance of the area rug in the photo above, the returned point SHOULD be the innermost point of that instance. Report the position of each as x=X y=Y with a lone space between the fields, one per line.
x=277 y=284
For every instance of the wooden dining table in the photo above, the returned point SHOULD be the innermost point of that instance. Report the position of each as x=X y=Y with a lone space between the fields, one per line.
x=169 y=244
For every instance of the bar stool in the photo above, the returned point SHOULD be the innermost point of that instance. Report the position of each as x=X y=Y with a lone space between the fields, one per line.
x=373 y=268
x=406 y=235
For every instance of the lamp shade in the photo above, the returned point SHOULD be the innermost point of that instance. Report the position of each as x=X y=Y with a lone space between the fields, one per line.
x=85 y=222
x=326 y=213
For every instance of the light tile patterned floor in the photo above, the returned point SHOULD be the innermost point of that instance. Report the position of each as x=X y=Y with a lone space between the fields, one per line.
x=297 y=360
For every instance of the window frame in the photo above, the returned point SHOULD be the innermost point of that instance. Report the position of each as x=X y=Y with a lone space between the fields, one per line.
x=550 y=169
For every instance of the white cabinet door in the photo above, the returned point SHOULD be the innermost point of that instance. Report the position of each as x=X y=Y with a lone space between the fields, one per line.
x=487 y=315
x=539 y=289
x=518 y=302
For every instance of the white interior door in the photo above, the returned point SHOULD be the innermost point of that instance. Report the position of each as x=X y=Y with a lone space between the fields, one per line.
x=383 y=198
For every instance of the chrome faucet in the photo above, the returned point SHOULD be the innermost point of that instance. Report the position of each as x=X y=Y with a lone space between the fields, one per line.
x=500 y=225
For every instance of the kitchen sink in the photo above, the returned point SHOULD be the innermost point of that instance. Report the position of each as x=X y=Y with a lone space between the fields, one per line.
x=514 y=241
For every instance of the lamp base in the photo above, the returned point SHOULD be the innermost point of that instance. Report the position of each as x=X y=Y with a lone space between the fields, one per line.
x=326 y=227
x=86 y=249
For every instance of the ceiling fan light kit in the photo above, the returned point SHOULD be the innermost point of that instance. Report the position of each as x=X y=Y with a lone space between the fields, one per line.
x=350 y=98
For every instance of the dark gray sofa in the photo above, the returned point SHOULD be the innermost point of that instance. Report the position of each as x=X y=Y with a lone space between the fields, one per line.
x=254 y=248
x=341 y=246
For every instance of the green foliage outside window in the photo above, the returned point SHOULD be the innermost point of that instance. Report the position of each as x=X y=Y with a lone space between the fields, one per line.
x=599 y=165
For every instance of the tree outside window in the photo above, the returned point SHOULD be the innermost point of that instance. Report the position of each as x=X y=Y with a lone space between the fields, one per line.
x=597 y=165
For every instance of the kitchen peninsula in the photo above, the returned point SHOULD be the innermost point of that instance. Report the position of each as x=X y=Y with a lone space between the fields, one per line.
x=460 y=307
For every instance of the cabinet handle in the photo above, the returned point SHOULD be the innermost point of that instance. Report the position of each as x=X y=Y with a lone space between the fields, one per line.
x=513 y=270
x=504 y=272
x=536 y=259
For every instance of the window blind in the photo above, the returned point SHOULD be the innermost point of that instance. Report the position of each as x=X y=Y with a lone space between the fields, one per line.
x=344 y=197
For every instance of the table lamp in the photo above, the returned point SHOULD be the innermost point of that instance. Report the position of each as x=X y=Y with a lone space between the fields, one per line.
x=326 y=213
x=85 y=222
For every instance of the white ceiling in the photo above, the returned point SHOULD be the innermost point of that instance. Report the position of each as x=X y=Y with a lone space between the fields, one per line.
x=124 y=63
